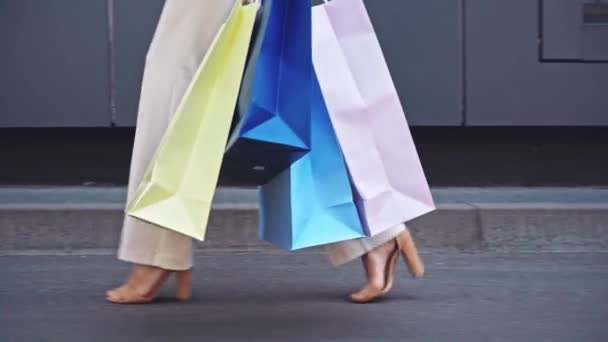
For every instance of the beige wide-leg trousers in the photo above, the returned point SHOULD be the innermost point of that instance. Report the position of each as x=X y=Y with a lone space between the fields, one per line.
x=184 y=33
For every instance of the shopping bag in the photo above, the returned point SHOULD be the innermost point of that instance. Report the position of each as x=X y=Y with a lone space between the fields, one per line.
x=178 y=187
x=388 y=180
x=272 y=122
x=311 y=202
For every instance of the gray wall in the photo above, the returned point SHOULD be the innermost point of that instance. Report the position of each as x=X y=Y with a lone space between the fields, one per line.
x=54 y=63
x=134 y=24
x=508 y=83
x=74 y=63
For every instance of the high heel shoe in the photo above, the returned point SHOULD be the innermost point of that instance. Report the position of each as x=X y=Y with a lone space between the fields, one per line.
x=129 y=294
x=183 y=286
x=374 y=291
x=407 y=248
x=410 y=254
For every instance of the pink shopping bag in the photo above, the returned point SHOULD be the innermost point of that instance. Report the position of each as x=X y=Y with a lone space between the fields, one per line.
x=388 y=180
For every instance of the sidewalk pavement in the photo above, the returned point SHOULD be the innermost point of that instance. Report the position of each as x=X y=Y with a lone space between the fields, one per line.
x=299 y=297
x=467 y=220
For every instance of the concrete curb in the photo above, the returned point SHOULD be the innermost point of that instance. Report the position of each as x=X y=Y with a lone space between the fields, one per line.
x=62 y=222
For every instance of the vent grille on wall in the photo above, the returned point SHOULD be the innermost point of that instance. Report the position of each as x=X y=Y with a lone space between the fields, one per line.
x=574 y=31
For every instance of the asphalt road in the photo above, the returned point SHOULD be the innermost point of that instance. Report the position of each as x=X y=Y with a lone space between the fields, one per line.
x=299 y=297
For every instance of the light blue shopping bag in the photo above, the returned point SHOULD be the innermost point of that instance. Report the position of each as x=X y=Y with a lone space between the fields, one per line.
x=311 y=203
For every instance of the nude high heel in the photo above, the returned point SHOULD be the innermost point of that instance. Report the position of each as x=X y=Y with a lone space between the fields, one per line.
x=372 y=292
x=183 y=285
x=128 y=294
x=407 y=248
x=410 y=254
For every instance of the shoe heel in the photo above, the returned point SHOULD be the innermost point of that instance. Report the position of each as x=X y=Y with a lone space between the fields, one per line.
x=410 y=254
x=183 y=285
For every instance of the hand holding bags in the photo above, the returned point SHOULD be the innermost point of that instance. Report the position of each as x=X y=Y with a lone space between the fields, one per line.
x=389 y=183
x=311 y=203
x=273 y=113
x=178 y=187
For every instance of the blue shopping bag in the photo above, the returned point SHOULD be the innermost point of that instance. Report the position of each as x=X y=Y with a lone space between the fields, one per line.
x=311 y=203
x=271 y=129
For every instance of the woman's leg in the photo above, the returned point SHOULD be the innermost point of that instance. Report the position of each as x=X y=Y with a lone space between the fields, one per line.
x=183 y=36
x=344 y=252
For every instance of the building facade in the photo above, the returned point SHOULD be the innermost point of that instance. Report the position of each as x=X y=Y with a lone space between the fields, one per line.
x=482 y=81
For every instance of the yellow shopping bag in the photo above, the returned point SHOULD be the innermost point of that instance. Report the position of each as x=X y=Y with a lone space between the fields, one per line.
x=178 y=187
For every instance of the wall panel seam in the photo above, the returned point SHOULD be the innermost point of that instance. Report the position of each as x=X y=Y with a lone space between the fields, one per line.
x=463 y=57
x=111 y=63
